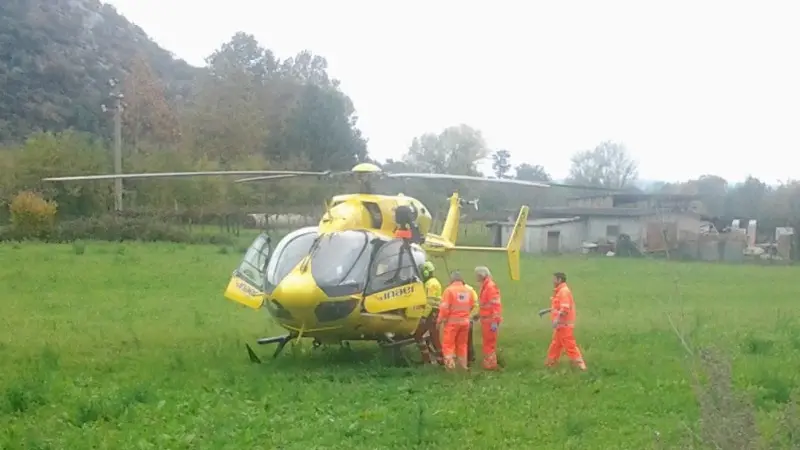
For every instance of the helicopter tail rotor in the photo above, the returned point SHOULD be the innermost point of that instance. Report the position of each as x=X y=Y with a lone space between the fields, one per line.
x=474 y=203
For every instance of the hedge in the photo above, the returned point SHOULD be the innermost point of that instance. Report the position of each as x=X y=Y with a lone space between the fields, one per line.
x=117 y=229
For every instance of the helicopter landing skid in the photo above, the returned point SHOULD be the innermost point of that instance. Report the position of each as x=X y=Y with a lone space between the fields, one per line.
x=280 y=340
x=402 y=343
x=392 y=353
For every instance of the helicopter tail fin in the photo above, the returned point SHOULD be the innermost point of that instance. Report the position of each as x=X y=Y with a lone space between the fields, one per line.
x=451 y=222
x=515 y=243
x=513 y=247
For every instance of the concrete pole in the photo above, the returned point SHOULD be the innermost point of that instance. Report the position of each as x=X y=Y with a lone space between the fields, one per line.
x=118 y=152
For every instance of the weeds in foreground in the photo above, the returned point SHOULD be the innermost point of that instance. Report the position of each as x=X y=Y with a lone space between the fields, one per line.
x=727 y=417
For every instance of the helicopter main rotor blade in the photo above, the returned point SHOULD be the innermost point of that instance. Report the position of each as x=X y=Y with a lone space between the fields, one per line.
x=442 y=176
x=584 y=187
x=328 y=174
x=277 y=177
x=181 y=175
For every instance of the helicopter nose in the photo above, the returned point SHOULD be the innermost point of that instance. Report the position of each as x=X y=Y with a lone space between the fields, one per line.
x=299 y=294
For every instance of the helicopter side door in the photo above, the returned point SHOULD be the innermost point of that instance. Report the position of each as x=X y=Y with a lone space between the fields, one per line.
x=394 y=281
x=246 y=284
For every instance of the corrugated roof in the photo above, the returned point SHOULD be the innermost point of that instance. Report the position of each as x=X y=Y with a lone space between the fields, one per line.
x=565 y=211
x=533 y=223
x=548 y=222
x=559 y=213
x=636 y=196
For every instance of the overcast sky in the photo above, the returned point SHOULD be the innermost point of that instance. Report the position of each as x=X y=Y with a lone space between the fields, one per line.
x=690 y=87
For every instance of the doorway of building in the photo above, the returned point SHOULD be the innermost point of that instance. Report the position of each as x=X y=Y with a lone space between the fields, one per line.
x=553 y=241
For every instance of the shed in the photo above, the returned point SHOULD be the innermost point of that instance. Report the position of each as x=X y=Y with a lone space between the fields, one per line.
x=565 y=229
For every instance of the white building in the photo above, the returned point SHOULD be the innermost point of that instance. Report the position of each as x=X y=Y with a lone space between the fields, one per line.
x=604 y=219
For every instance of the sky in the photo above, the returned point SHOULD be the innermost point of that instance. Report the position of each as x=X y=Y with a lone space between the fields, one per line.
x=689 y=87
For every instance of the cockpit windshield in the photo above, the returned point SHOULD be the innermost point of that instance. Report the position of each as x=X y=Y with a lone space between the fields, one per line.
x=288 y=253
x=341 y=259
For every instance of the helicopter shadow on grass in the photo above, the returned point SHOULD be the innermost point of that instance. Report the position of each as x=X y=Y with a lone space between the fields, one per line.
x=305 y=358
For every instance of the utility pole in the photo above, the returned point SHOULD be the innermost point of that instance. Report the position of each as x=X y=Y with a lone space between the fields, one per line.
x=117 y=97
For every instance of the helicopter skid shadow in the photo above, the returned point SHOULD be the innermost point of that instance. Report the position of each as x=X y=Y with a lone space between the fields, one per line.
x=305 y=357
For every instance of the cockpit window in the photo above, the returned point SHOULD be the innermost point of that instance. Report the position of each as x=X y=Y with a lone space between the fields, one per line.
x=255 y=261
x=393 y=265
x=341 y=259
x=288 y=253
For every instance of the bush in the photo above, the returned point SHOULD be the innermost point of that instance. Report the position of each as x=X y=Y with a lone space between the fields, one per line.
x=79 y=247
x=32 y=216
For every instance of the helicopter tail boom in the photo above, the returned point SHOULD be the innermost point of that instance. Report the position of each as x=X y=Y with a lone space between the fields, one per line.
x=513 y=247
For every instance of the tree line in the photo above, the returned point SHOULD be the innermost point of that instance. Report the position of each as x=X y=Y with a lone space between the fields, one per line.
x=250 y=109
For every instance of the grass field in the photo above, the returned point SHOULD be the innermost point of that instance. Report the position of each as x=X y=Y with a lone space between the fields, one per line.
x=133 y=346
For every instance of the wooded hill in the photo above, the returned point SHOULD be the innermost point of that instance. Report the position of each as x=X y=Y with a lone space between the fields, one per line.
x=248 y=109
x=56 y=57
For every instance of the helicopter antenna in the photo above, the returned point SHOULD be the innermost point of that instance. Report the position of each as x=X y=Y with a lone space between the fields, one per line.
x=327 y=210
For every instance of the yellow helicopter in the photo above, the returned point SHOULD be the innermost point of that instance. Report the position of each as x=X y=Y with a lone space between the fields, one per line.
x=350 y=278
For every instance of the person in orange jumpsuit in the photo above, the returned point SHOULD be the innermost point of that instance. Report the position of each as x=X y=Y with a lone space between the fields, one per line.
x=562 y=316
x=454 y=314
x=490 y=315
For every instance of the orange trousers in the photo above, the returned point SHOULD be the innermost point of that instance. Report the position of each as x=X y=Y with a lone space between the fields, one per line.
x=564 y=341
x=454 y=344
x=489 y=344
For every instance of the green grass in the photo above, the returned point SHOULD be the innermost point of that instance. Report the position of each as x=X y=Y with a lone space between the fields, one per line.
x=133 y=346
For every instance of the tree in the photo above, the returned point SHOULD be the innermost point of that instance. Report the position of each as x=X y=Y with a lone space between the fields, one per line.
x=784 y=204
x=397 y=166
x=712 y=190
x=147 y=117
x=528 y=172
x=748 y=199
x=227 y=121
x=308 y=68
x=456 y=150
x=322 y=127
x=501 y=163
x=608 y=165
x=229 y=117
x=242 y=54
x=783 y=207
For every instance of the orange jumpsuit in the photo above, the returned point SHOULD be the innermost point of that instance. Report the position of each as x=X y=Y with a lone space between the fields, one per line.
x=490 y=315
x=562 y=314
x=454 y=312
